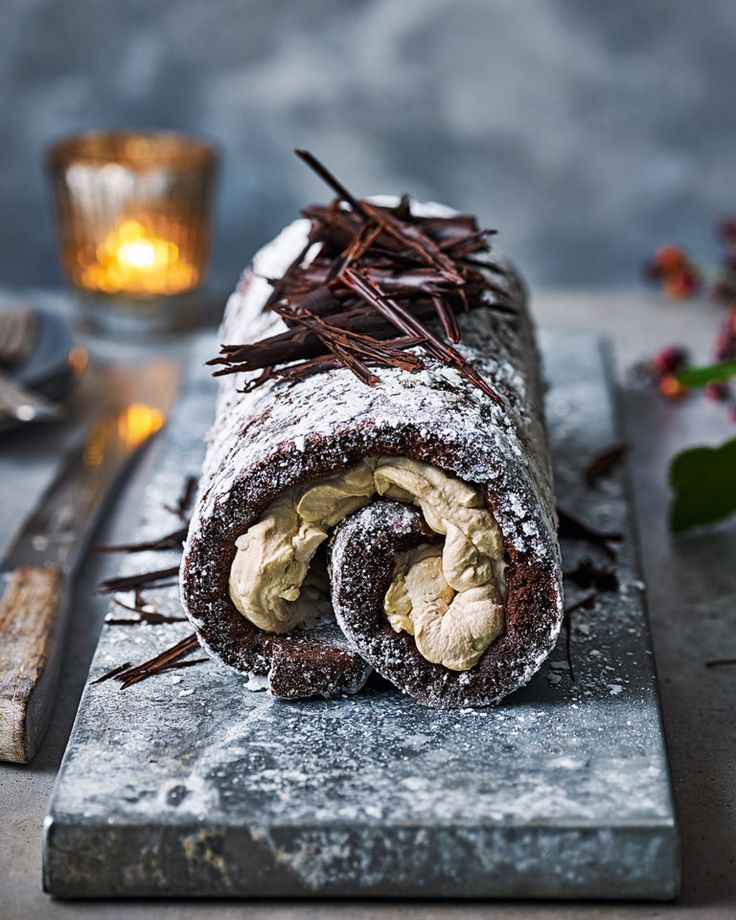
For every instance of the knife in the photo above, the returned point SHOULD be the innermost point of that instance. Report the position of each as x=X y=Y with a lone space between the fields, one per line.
x=38 y=569
x=21 y=404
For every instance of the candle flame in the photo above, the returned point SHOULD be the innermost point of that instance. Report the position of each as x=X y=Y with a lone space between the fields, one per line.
x=141 y=254
x=138 y=259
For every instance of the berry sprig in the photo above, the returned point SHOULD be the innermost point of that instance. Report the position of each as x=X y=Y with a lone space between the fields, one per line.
x=664 y=368
x=680 y=277
x=701 y=477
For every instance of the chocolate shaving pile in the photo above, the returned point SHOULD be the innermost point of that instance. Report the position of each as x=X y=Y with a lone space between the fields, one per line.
x=363 y=300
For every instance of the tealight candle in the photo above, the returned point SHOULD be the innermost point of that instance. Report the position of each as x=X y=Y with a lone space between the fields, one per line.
x=133 y=213
x=139 y=259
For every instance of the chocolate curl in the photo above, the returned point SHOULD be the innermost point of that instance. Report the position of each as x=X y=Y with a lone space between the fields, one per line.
x=405 y=322
x=410 y=282
x=333 y=342
x=330 y=362
x=463 y=242
x=352 y=348
x=279 y=283
x=447 y=318
x=127 y=582
x=184 y=501
x=358 y=248
x=172 y=540
x=450 y=229
x=108 y=675
x=159 y=663
x=314 y=164
x=299 y=342
x=416 y=241
x=266 y=374
x=152 y=617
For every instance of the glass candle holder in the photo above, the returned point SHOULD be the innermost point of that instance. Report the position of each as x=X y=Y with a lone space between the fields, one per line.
x=133 y=213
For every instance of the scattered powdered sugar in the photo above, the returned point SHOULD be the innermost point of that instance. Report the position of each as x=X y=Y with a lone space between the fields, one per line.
x=256 y=682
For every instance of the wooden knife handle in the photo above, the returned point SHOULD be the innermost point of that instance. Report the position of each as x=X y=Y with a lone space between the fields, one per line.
x=32 y=608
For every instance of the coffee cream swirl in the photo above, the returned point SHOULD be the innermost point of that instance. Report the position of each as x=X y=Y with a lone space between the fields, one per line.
x=449 y=596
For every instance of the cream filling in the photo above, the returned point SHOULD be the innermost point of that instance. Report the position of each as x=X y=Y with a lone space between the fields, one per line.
x=449 y=597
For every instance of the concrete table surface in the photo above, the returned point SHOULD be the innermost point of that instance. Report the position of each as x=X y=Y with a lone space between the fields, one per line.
x=692 y=598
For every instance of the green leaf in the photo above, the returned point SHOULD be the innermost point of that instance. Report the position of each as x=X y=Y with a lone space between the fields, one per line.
x=711 y=373
x=704 y=482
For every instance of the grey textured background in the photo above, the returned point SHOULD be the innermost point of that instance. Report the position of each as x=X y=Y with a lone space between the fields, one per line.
x=588 y=132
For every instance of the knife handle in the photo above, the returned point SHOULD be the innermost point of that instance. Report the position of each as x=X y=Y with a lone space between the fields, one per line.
x=32 y=608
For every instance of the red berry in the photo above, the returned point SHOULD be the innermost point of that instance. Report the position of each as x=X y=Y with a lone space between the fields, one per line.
x=670 y=386
x=717 y=391
x=669 y=360
x=677 y=274
x=669 y=257
x=680 y=284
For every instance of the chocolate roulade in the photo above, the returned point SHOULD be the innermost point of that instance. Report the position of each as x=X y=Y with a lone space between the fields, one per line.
x=445 y=570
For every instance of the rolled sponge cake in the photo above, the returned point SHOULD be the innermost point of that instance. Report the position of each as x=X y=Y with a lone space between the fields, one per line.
x=444 y=567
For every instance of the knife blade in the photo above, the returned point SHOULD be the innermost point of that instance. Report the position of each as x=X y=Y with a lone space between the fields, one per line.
x=18 y=403
x=40 y=564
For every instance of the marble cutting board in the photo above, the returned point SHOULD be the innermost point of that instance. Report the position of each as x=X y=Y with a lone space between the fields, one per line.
x=192 y=784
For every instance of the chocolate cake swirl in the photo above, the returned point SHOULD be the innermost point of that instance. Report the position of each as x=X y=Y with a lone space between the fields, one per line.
x=316 y=428
x=364 y=551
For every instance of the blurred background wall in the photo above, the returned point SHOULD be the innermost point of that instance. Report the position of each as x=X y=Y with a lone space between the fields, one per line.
x=587 y=131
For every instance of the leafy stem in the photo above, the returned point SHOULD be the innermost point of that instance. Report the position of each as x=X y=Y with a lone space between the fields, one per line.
x=712 y=373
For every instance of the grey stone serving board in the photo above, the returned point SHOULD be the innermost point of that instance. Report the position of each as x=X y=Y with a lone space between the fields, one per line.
x=191 y=784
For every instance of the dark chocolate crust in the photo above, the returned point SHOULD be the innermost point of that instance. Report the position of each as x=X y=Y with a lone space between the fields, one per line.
x=363 y=552
x=314 y=662
x=287 y=433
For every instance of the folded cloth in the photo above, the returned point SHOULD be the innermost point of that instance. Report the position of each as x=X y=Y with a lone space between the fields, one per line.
x=444 y=572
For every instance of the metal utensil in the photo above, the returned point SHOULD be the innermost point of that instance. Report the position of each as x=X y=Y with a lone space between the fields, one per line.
x=19 y=403
x=38 y=570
